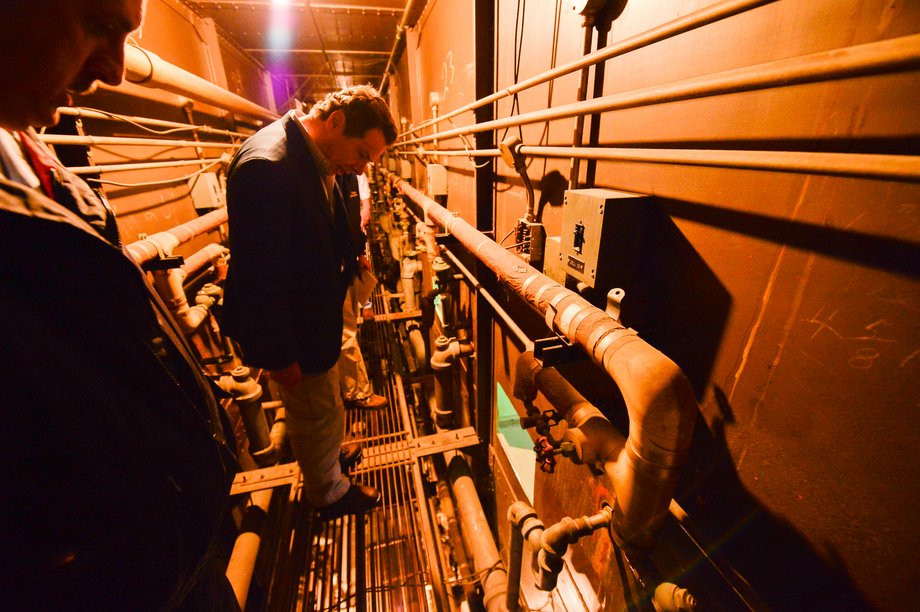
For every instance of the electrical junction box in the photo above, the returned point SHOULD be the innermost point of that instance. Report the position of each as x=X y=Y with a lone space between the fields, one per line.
x=437 y=180
x=601 y=234
x=405 y=169
x=208 y=191
x=552 y=260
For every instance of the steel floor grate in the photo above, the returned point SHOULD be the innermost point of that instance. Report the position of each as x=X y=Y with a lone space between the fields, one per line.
x=377 y=561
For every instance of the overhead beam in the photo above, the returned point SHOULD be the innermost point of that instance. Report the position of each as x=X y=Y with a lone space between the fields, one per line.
x=328 y=51
x=362 y=9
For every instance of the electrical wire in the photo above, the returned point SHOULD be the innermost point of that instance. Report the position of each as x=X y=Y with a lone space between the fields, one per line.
x=155 y=183
x=191 y=128
x=466 y=145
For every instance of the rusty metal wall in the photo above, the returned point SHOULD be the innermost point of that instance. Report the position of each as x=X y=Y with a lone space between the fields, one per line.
x=790 y=299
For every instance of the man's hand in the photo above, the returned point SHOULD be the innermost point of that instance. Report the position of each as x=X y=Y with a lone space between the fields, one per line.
x=289 y=376
x=363 y=263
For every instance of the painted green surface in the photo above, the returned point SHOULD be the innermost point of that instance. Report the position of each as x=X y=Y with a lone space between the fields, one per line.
x=515 y=442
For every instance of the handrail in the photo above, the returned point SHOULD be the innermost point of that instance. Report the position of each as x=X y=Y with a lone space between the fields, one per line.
x=893 y=55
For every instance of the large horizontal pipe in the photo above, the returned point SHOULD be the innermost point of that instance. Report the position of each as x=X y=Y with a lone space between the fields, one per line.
x=172 y=126
x=658 y=396
x=496 y=307
x=678 y=26
x=81 y=170
x=164 y=242
x=146 y=68
x=64 y=139
x=893 y=55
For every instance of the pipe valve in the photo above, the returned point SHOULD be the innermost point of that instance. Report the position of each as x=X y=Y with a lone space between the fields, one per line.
x=546 y=453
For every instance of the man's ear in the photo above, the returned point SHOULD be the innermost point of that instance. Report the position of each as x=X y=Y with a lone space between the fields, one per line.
x=336 y=121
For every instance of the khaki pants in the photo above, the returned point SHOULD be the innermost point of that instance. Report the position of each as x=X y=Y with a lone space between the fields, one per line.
x=315 y=420
x=352 y=373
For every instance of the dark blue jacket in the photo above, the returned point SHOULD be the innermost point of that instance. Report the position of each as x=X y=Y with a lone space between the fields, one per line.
x=114 y=476
x=290 y=258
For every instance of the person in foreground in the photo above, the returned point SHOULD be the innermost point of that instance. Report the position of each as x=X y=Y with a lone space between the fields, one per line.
x=292 y=261
x=115 y=471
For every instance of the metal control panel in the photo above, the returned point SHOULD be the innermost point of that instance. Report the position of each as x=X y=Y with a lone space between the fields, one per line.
x=601 y=233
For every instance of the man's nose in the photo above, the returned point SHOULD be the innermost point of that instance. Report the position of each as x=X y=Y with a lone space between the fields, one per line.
x=108 y=63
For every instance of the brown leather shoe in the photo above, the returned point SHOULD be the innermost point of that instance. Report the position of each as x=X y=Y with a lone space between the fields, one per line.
x=357 y=500
x=371 y=402
x=349 y=455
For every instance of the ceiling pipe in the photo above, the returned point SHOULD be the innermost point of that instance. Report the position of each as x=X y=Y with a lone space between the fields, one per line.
x=400 y=33
x=659 y=399
x=144 y=67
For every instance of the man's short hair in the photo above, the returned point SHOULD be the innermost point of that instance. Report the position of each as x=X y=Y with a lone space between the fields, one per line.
x=364 y=110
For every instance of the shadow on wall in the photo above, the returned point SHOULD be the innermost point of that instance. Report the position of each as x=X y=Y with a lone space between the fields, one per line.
x=777 y=566
x=889 y=254
x=676 y=303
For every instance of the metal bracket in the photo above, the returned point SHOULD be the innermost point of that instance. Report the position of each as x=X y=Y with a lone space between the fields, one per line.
x=444 y=441
x=550 y=352
x=164 y=262
x=266 y=478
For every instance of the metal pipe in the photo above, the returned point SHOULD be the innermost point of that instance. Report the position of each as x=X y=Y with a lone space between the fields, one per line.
x=81 y=170
x=892 y=55
x=580 y=97
x=169 y=284
x=897 y=167
x=556 y=539
x=88 y=113
x=594 y=438
x=678 y=26
x=143 y=67
x=458 y=153
x=525 y=526
x=247 y=394
x=486 y=559
x=246 y=548
x=659 y=399
x=496 y=307
x=64 y=139
x=868 y=165
x=400 y=32
x=446 y=503
x=163 y=243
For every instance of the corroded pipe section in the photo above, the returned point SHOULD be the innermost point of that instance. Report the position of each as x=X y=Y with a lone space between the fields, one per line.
x=163 y=243
x=659 y=399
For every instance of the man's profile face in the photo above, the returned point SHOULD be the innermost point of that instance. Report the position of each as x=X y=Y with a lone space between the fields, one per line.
x=53 y=49
x=347 y=154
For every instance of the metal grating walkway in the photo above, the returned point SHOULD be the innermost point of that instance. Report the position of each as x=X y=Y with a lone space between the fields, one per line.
x=379 y=561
